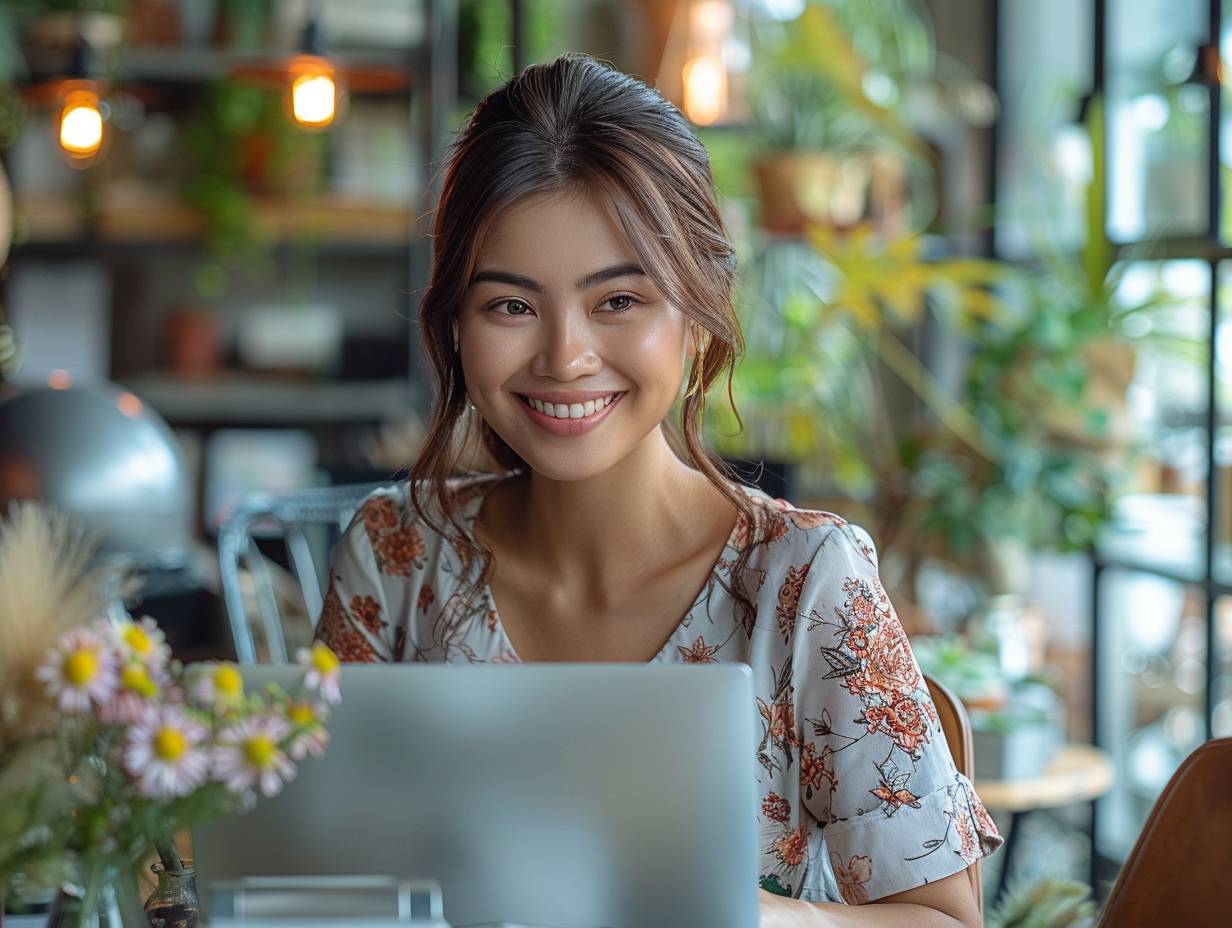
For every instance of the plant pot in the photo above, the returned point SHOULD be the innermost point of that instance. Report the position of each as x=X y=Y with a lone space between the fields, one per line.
x=797 y=188
x=193 y=343
x=1019 y=754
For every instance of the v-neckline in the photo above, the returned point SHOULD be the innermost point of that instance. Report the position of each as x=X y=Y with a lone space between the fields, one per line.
x=470 y=512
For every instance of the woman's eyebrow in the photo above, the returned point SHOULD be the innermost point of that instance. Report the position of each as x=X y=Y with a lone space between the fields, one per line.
x=529 y=283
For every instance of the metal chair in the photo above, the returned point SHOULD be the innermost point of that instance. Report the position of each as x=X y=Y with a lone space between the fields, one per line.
x=956 y=727
x=295 y=517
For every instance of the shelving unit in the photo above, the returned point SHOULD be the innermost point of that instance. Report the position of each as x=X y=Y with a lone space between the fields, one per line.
x=136 y=229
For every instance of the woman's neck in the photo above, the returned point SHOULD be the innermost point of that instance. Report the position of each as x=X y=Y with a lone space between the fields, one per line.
x=595 y=537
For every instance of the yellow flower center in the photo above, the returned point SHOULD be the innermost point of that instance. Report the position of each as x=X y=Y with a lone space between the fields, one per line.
x=228 y=682
x=259 y=750
x=135 y=678
x=81 y=667
x=323 y=660
x=136 y=638
x=170 y=744
x=301 y=714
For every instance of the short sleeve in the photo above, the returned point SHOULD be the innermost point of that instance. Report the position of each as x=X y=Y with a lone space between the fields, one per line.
x=875 y=770
x=359 y=618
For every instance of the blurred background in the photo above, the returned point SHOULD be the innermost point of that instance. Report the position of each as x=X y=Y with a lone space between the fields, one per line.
x=984 y=249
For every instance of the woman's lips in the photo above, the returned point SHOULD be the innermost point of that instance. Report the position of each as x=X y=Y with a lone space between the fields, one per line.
x=569 y=426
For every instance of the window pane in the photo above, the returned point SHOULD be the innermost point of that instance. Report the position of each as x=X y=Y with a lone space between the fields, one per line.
x=1152 y=676
x=1223 y=443
x=1045 y=68
x=1162 y=523
x=1158 y=122
x=1221 y=720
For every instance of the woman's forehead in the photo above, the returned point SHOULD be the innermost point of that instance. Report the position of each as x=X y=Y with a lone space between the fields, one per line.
x=562 y=232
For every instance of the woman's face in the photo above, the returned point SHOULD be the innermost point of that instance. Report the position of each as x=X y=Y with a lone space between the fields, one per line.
x=558 y=310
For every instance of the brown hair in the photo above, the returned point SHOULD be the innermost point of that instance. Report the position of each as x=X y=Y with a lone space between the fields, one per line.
x=578 y=123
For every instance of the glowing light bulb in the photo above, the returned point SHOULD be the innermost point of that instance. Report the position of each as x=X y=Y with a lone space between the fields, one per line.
x=81 y=124
x=705 y=90
x=314 y=95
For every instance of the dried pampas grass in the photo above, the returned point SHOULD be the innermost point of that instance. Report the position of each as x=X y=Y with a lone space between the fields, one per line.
x=47 y=585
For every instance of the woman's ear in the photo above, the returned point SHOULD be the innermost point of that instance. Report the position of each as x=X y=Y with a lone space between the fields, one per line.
x=690 y=344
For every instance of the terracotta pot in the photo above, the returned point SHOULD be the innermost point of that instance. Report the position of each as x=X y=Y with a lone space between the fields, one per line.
x=797 y=188
x=193 y=343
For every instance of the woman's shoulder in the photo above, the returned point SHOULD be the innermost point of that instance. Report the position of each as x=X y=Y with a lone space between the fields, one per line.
x=784 y=532
x=403 y=535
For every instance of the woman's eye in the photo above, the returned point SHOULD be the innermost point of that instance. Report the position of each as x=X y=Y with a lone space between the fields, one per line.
x=513 y=303
x=627 y=305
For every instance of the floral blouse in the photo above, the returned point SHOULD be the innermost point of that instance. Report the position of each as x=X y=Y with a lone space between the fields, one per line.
x=860 y=798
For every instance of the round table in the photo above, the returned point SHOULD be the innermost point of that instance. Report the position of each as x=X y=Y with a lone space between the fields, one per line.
x=1077 y=773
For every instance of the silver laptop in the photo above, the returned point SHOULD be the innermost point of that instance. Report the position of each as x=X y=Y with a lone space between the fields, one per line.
x=559 y=795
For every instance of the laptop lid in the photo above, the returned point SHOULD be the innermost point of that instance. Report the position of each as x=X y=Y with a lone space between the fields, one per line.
x=562 y=795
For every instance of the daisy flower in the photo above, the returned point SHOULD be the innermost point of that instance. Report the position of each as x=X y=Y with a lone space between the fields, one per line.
x=142 y=641
x=131 y=701
x=165 y=753
x=323 y=671
x=218 y=686
x=249 y=753
x=79 y=670
x=308 y=735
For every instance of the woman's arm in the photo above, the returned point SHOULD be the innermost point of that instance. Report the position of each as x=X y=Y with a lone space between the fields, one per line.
x=947 y=903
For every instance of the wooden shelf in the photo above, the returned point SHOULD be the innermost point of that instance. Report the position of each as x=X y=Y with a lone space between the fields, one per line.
x=238 y=399
x=375 y=72
x=131 y=216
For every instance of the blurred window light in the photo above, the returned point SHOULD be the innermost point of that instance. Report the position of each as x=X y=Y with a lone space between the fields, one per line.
x=1151 y=112
x=782 y=9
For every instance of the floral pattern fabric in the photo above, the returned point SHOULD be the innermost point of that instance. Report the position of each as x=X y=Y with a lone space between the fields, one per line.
x=860 y=797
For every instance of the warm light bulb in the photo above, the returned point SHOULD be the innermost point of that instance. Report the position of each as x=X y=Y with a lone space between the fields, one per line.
x=313 y=99
x=81 y=124
x=705 y=90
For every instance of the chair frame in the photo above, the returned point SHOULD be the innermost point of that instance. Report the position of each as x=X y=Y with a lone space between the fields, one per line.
x=290 y=514
x=956 y=725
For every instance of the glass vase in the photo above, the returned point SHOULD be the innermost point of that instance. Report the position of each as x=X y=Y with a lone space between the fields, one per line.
x=173 y=904
x=72 y=908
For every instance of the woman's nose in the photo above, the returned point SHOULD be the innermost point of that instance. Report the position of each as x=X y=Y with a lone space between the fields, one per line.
x=568 y=349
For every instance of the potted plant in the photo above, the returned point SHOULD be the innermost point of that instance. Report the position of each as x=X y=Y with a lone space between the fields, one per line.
x=1016 y=722
x=832 y=94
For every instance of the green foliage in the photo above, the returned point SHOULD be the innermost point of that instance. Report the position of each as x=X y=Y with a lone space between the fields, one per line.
x=1050 y=902
x=811 y=81
x=238 y=139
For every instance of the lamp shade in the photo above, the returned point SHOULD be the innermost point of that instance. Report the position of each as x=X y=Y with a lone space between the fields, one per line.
x=105 y=458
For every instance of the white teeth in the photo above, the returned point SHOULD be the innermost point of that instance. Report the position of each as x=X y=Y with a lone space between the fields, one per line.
x=572 y=410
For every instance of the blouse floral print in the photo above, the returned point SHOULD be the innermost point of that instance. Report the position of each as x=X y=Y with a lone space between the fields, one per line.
x=860 y=797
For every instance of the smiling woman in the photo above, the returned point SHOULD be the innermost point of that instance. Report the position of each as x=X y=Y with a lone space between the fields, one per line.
x=580 y=293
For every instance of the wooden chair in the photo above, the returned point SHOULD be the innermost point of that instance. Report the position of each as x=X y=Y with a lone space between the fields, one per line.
x=957 y=729
x=1177 y=873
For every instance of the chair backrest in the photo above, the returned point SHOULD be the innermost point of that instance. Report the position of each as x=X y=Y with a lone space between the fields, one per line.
x=957 y=729
x=1177 y=872
x=291 y=516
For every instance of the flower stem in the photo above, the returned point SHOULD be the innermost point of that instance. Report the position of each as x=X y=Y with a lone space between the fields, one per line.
x=166 y=853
